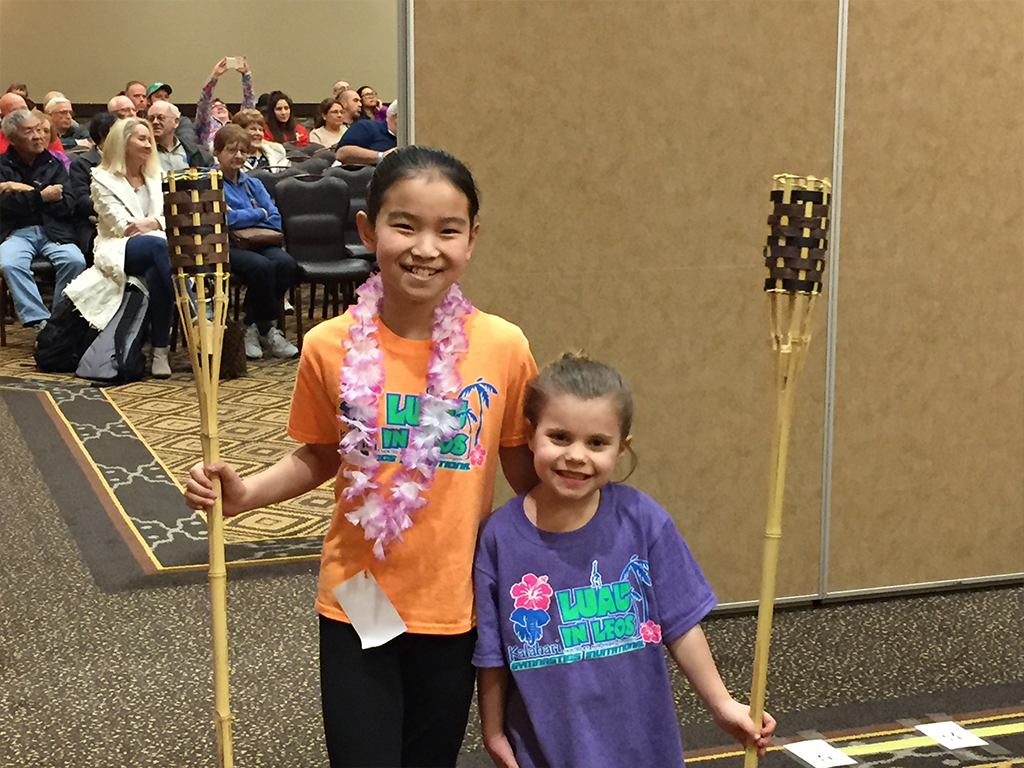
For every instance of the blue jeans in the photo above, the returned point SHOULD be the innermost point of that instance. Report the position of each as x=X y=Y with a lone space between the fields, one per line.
x=16 y=254
x=145 y=256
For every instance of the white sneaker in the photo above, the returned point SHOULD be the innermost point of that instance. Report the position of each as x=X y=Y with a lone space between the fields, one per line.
x=253 y=350
x=278 y=345
x=288 y=308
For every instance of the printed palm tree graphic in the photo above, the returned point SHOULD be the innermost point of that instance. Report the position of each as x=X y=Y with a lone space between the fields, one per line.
x=641 y=571
x=483 y=392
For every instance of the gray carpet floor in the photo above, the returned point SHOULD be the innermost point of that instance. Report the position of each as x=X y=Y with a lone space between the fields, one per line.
x=90 y=679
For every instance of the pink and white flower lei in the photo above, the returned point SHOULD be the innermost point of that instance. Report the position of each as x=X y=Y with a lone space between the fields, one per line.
x=362 y=383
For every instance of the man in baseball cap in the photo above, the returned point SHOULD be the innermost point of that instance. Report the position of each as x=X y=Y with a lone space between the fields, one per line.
x=158 y=91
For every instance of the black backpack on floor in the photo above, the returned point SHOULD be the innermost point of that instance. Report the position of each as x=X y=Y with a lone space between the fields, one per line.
x=59 y=346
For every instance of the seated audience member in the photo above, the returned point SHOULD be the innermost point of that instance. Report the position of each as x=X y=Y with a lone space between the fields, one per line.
x=211 y=113
x=280 y=125
x=341 y=85
x=55 y=148
x=367 y=141
x=262 y=153
x=36 y=210
x=371 y=108
x=174 y=152
x=157 y=92
x=335 y=117
x=62 y=115
x=81 y=177
x=267 y=273
x=130 y=240
x=22 y=90
x=136 y=91
x=122 y=106
x=11 y=101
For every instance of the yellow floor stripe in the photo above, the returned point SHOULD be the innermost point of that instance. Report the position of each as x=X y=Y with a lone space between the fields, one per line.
x=998 y=730
x=909 y=743
x=888 y=746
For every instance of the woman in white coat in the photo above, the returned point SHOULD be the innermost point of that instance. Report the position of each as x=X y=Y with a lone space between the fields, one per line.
x=130 y=239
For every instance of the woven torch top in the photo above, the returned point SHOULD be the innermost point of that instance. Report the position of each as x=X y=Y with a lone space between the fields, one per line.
x=798 y=232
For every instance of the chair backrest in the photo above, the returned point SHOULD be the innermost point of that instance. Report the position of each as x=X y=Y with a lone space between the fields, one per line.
x=358 y=180
x=271 y=178
x=313 y=213
x=314 y=165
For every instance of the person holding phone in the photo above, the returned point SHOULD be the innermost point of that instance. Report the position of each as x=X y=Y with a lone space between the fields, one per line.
x=212 y=114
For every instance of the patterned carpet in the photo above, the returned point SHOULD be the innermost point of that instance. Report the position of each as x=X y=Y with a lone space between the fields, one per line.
x=145 y=435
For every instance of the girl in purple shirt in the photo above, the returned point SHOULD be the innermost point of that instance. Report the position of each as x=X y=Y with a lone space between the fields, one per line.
x=578 y=584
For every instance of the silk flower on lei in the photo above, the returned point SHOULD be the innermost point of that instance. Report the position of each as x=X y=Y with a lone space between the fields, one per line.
x=362 y=382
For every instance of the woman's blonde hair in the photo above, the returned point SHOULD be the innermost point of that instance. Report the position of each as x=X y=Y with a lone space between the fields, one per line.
x=117 y=142
x=247 y=117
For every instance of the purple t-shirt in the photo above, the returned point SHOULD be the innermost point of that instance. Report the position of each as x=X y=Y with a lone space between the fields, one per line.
x=580 y=618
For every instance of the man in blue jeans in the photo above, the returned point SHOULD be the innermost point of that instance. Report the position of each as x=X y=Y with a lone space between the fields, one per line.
x=36 y=215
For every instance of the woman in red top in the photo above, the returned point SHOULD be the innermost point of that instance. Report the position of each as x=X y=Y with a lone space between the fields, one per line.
x=281 y=126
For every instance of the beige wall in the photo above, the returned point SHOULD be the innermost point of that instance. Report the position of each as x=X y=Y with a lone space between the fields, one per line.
x=90 y=48
x=625 y=166
x=625 y=154
x=929 y=449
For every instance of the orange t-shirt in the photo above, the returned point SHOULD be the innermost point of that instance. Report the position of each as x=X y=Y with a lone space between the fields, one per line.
x=427 y=576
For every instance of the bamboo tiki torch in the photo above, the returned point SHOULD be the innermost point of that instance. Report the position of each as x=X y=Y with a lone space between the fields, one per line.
x=795 y=257
x=197 y=241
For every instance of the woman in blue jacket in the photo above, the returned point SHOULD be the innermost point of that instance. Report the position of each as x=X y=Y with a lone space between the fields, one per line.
x=267 y=272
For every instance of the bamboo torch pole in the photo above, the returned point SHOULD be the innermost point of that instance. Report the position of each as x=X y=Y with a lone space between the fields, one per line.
x=198 y=246
x=795 y=257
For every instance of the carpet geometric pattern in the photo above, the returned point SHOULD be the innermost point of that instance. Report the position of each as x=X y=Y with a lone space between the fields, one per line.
x=147 y=433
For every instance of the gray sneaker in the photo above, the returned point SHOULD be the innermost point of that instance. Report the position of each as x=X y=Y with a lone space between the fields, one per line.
x=278 y=345
x=253 y=350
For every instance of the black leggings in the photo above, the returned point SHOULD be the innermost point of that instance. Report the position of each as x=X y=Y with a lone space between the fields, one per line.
x=404 y=703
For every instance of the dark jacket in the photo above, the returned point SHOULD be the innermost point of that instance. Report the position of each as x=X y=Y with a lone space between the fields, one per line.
x=21 y=209
x=198 y=157
x=81 y=181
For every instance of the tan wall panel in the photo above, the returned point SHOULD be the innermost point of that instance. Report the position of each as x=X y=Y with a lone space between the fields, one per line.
x=89 y=49
x=625 y=154
x=928 y=482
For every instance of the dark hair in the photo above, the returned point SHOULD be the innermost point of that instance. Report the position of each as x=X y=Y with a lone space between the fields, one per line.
x=323 y=108
x=99 y=126
x=17 y=87
x=363 y=114
x=407 y=162
x=281 y=132
x=232 y=133
x=578 y=376
x=129 y=84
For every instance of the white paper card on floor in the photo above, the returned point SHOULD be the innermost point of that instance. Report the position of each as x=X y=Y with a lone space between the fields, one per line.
x=373 y=616
x=950 y=735
x=819 y=753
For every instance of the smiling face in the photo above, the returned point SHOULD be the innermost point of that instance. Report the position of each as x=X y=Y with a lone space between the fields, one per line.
x=423 y=238
x=576 y=445
x=164 y=122
x=139 y=147
x=256 y=136
x=219 y=111
x=282 y=111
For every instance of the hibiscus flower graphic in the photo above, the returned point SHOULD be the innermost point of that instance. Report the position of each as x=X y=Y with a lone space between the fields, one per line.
x=532 y=592
x=477 y=454
x=650 y=632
